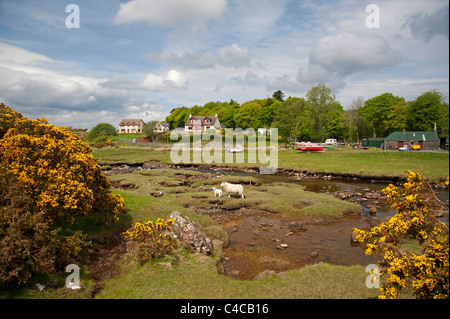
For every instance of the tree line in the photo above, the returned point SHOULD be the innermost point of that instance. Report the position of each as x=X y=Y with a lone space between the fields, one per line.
x=318 y=115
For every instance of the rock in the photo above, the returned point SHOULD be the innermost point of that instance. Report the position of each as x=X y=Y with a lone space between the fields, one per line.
x=353 y=238
x=281 y=274
x=157 y=194
x=373 y=209
x=217 y=243
x=314 y=254
x=264 y=274
x=97 y=239
x=202 y=188
x=282 y=246
x=192 y=238
x=297 y=226
x=234 y=272
x=289 y=234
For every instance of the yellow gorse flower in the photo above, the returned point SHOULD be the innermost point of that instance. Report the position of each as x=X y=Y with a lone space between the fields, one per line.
x=428 y=273
x=153 y=238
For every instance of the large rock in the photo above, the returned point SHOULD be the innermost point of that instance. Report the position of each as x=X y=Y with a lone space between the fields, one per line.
x=192 y=238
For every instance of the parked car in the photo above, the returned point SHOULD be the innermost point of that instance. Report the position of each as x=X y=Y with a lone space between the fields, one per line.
x=331 y=141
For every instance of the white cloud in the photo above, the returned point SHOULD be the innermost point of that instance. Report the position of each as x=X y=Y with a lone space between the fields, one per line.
x=234 y=55
x=347 y=53
x=230 y=56
x=173 y=80
x=170 y=13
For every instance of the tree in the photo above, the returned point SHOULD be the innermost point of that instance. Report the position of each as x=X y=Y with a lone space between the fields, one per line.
x=278 y=95
x=322 y=106
x=426 y=110
x=267 y=114
x=247 y=115
x=148 y=130
x=376 y=110
x=357 y=124
x=396 y=118
x=101 y=132
x=290 y=118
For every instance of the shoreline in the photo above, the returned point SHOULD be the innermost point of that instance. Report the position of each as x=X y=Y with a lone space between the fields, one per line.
x=292 y=173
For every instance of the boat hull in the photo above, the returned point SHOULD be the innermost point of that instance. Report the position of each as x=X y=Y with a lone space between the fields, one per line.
x=310 y=148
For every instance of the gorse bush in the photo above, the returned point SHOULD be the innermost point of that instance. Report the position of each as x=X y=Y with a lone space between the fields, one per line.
x=150 y=239
x=47 y=171
x=427 y=273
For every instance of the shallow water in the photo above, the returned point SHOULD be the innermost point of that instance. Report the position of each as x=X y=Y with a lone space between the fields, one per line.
x=255 y=240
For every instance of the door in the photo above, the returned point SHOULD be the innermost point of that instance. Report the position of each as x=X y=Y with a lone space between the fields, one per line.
x=400 y=144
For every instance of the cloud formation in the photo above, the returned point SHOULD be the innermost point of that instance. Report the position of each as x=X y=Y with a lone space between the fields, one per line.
x=228 y=56
x=169 y=13
x=173 y=80
x=347 y=53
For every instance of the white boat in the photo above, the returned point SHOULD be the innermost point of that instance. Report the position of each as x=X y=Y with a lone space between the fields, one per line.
x=237 y=149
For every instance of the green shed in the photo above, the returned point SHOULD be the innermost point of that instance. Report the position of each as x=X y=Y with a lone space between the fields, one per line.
x=373 y=142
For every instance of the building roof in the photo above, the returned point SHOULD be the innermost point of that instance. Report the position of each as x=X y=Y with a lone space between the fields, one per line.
x=131 y=121
x=413 y=136
x=202 y=120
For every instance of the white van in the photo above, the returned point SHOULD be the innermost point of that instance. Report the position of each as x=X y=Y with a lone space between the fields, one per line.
x=331 y=141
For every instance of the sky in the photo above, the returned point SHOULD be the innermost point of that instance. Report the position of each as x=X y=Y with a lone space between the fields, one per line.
x=143 y=58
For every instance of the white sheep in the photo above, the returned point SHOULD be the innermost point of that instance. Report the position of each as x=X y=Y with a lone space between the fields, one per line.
x=217 y=192
x=233 y=188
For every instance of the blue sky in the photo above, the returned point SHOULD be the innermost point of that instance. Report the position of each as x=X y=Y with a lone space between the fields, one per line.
x=142 y=58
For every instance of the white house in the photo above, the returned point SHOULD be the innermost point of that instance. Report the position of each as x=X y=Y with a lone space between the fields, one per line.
x=131 y=126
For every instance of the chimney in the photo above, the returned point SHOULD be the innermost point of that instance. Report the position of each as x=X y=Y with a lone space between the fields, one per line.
x=404 y=131
x=435 y=128
x=216 y=116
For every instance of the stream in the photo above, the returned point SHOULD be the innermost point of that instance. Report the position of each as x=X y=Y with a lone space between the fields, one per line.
x=255 y=241
x=260 y=243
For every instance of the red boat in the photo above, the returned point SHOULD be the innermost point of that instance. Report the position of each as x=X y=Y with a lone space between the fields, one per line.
x=310 y=148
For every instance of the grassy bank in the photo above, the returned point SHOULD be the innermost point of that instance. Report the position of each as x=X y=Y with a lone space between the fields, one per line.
x=365 y=163
x=193 y=277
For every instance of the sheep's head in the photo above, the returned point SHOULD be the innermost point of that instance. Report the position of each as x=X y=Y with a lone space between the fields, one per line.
x=223 y=184
x=213 y=188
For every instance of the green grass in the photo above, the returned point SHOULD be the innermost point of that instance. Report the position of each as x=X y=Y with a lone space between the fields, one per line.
x=194 y=277
x=430 y=165
x=433 y=166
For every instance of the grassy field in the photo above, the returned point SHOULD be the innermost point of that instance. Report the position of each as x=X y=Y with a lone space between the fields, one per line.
x=433 y=166
x=194 y=277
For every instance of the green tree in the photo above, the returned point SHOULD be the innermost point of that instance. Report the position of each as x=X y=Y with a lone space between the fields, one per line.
x=267 y=113
x=376 y=110
x=427 y=109
x=290 y=118
x=279 y=95
x=396 y=118
x=148 y=130
x=323 y=106
x=101 y=132
x=247 y=115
